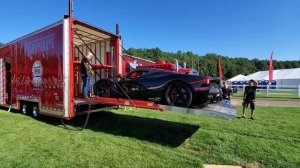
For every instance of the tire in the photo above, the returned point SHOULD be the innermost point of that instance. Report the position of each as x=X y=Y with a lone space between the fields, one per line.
x=102 y=89
x=178 y=94
x=24 y=109
x=35 y=111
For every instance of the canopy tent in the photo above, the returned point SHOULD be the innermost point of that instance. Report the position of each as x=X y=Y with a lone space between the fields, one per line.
x=239 y=77
x=281 y=76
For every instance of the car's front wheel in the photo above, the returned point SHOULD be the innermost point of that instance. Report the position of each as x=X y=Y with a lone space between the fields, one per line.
x=178 y=94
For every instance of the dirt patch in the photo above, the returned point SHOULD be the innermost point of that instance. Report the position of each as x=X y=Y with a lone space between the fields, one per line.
x=254 y=165
x=249 y=165
x=220 y=166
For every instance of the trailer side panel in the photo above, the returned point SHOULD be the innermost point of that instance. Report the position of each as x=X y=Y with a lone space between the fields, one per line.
x=37 y=70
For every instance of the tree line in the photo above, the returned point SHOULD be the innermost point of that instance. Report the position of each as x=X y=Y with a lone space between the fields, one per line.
x=207 y=64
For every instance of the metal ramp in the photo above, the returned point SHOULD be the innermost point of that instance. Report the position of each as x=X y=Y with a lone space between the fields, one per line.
x=217 y=110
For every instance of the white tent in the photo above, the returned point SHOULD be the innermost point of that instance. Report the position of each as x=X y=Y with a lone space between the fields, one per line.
x=239 y=77
x=281 y=76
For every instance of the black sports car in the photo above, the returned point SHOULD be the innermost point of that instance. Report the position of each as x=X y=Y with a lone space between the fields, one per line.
x=158 y=85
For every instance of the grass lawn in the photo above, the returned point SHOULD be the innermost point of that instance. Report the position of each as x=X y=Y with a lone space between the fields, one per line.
x=144 y=138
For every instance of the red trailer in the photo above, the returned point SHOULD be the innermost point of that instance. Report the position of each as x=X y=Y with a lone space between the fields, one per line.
x=40 y=72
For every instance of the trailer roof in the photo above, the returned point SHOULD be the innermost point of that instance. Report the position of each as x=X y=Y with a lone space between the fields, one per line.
x=88 y=33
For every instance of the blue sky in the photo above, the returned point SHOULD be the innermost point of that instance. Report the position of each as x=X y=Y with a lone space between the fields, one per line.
x=235 y=28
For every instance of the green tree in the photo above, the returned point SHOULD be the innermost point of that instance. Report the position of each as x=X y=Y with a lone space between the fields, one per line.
x=207 y=65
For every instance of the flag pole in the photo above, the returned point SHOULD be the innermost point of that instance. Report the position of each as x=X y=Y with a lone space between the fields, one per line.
x=71 y=8
x=220 y=69
x=271 y=69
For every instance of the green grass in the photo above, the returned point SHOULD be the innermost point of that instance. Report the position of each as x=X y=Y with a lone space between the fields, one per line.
x=144 y=138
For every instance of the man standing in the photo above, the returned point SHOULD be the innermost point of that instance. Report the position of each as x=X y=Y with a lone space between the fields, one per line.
x=249 y=98
x=226 y=93
x=87 y=74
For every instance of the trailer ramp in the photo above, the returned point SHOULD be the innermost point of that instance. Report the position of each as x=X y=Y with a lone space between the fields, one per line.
x=216 y=110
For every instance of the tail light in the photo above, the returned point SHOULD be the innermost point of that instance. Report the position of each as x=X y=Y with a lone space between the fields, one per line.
x=206 y=80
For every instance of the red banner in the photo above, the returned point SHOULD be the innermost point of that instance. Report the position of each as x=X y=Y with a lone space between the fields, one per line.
x=220 y=69
x=271 y=69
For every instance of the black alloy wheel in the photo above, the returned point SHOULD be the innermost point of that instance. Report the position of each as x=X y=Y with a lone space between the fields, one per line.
x=179 y=94
x=103 y=90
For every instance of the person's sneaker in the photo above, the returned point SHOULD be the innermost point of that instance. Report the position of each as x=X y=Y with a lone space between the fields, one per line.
x=243 y=117
x=252 y=118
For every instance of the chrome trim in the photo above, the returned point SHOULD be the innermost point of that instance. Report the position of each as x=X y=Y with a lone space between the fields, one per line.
x=66 y=65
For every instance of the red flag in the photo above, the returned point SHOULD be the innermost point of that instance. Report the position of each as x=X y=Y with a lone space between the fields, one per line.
x=220 y=69
x=271 y=69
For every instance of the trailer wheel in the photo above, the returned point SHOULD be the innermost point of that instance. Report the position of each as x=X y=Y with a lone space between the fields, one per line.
x=35 y=111
x=24 y=109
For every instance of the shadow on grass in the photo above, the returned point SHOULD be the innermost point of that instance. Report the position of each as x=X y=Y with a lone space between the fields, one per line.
x=162 y=132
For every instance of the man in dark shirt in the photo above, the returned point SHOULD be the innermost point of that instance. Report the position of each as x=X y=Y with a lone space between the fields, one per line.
x=86 y=74
x=249 y=98
x=226 y=93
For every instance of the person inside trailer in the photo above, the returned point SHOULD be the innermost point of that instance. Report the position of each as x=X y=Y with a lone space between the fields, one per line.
x=134 y=64
x=87 y=75
x=119 y=78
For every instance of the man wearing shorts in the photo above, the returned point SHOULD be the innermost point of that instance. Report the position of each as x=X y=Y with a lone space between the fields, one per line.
x=249 y=98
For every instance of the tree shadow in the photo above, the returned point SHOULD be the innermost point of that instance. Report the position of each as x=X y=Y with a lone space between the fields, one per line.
x=162 y=132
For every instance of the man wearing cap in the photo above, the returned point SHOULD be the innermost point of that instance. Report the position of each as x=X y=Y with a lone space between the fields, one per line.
x=249 y=98
x=87 y=74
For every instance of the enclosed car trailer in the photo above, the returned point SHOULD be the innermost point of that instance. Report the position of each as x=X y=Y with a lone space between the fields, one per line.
x=40 y=72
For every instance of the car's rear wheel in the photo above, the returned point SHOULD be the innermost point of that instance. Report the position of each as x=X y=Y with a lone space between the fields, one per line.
x=103 y=90
x=179 y=94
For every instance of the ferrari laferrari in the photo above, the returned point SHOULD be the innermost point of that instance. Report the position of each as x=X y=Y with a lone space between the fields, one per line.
x=157 y=85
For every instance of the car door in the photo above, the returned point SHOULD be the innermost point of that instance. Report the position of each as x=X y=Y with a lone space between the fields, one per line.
x=133 y=83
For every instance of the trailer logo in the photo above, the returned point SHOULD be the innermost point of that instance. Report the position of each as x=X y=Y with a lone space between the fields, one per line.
x=42 y=44
x=37 y=74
